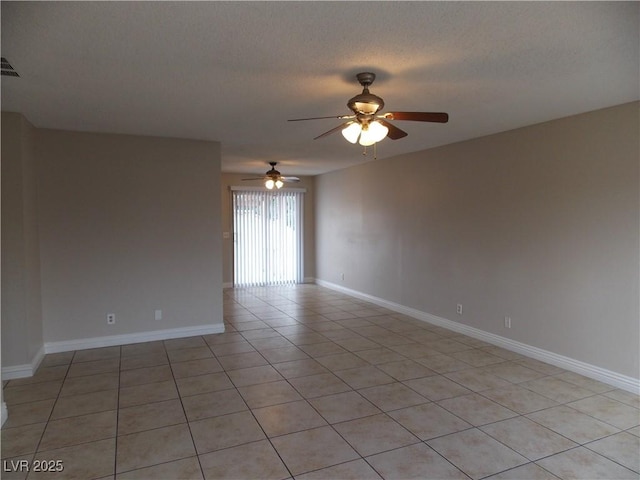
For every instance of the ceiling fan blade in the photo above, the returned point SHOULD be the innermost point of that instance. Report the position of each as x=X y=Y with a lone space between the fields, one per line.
x=340 y=117
x=290 y=179
x=254 y=178
x=394 y=132
x=438 y=117
x=333 y=130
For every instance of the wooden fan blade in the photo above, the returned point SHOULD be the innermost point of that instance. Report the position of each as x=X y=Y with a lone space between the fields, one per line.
x=339 y=117
x=438 y=117
x=333 y=130
x=254 y=178
x=394 y=132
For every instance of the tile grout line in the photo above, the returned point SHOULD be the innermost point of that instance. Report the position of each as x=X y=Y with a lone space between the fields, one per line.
x=184 y=411
x=35 y=453
x=254 y=418
x=115 y=455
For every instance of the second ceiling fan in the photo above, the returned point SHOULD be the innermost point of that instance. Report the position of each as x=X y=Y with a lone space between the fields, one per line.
x=366 y=125
x=273 y=178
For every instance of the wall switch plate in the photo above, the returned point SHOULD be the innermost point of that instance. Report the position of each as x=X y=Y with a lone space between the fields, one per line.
x=158 y=314
x=111 y=318
x=459 y=309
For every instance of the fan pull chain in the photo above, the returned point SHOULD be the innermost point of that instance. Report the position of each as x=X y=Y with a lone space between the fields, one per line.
x=375 y=151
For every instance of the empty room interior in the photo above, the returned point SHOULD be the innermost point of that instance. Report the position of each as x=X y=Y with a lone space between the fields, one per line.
x=320 y=240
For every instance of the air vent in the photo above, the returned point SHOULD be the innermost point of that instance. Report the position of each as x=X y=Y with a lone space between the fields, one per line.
x=7 y=69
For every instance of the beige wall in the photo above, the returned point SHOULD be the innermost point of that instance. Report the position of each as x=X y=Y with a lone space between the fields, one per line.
x=128 y=225
x=235 y=179
x=21 y=306
x=540 y=224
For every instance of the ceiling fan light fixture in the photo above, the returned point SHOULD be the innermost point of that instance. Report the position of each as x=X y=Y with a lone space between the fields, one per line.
x=351 y=132
x=378 y=131
x=372 y=133
x=279 y=184
x=269 y=184
x=366 y=139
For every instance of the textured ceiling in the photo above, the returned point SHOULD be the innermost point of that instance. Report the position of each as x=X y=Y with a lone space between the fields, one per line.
x=234 y=72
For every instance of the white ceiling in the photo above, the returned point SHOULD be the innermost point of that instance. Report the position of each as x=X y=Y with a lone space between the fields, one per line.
x=234 y=72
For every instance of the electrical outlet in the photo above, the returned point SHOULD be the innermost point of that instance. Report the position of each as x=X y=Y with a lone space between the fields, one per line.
x=158 y=314
x=459 y=309
x=507 y=322
x=111 y=318
x=342 y=276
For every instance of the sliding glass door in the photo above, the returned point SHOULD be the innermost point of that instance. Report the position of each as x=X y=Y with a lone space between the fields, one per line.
x=267 y=229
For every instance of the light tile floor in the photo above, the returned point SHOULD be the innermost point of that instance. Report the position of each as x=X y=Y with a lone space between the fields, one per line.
x=312 y=384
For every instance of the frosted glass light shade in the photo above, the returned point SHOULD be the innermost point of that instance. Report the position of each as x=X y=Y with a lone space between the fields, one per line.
x=269 y=184
x=373 y=133
x=367 y=134
x=366 y=138
x=279 y=183
x=377 y=131
x=351 y=132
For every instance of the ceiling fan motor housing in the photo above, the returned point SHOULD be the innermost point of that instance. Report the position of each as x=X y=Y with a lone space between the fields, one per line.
x=366 y=103
x=273 y=174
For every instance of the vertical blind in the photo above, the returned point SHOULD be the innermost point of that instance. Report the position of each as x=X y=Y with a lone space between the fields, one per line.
x=267 y=233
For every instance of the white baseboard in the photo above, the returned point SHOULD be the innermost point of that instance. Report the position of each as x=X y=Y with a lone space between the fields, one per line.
x=28 y=369
x=5 y=413
x=113 y=340
x=25 y=370
x=609 y=377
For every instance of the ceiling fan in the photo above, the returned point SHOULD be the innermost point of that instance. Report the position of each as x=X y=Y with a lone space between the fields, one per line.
x=273 y=178
x=366 y=125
